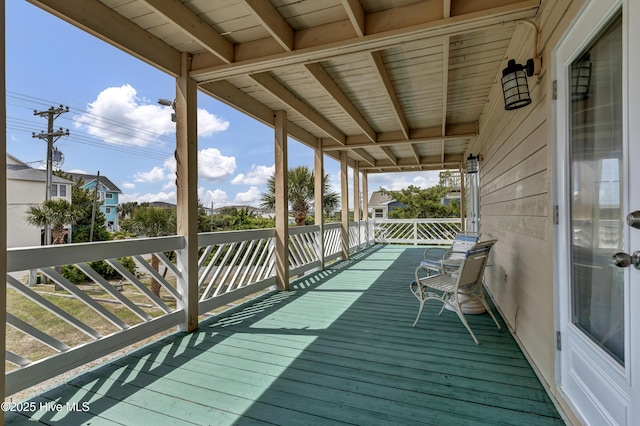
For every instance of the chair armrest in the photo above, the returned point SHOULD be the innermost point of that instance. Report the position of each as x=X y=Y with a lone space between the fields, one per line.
x=452 y=253
x=429 y=270
x=434 y=253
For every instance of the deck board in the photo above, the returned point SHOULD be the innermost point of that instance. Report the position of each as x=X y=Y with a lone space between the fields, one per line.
x=337 y=349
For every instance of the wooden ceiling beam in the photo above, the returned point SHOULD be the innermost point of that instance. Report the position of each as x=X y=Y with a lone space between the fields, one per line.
x=356 y=15
x=332 y=88
x=275 y=88
x=389 y=154
x=272 y=21
x=191 y=24
x=366 y=157
x=229 y=94
x=416 y=154
x=390 y=92
x=383 y=30
x=111 y=27
x=428 y=134
x=432 y=162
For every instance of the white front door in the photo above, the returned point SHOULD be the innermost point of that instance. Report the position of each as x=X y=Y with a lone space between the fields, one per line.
x=597 y=117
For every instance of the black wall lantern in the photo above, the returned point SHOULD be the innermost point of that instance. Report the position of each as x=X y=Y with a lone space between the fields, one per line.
x=472 y=164
x=514 y=77
x=514 y=84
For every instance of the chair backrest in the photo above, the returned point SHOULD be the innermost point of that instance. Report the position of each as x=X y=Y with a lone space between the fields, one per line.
x=462 y=243
x=472 y=268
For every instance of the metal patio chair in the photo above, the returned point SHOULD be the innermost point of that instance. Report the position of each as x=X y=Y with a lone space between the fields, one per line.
x=455 y=287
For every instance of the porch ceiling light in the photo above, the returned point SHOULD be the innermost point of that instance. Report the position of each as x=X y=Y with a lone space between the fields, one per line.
x=514 y=84
x=514 y=77
x=472 y=164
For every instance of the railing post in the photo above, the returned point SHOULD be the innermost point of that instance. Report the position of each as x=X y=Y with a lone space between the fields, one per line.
x=187 y=192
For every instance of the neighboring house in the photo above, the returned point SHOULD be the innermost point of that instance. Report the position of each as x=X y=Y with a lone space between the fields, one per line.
x=27 y=186
x=454 y=182
x=108 y=194
x=258 y=211
x=381 y=204
x=162 y=205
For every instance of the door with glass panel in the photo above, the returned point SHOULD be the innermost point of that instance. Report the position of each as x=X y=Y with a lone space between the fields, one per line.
x=598 y=284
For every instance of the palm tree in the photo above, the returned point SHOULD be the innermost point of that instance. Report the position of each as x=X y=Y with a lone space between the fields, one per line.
x=152 y=222
x=127 y=209
x=57 y=213
x=301 y=193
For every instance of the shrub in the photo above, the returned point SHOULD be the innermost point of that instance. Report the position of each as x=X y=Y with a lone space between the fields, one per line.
x=75 y=275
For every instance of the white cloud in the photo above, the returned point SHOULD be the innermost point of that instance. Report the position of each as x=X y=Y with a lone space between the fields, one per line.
x=218 y=197
x=258 y=175
x=213 y=166
x=209 y=124
x=155 y=175
x=118 y=116
x=398 y=181
x=128 y=185
x=79 y=171
x=251 y=197
x=167 y=197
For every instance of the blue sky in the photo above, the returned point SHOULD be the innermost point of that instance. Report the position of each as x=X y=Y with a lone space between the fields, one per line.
x=117 y=127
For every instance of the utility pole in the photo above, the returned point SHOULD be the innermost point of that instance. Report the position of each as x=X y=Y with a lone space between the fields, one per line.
x=51 y=136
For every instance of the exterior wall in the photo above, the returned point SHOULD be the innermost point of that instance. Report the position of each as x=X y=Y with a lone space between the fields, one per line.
x=516 y=149
x=20 y=194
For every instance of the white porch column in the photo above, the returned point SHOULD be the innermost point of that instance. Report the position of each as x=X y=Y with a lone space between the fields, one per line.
x=356 y=199
x=187 y=191
x=344 y=196
x=318 y=167
x=3 y=202
x=282 y=201
x=365 y=206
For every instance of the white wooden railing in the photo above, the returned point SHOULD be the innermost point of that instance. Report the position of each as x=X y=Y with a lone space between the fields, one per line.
x=87 y=321
x=416 y=231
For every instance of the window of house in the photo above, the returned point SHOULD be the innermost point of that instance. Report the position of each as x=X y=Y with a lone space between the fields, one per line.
x=379 y=213
x=108 y=210
x=109 y=195
x=58 y=190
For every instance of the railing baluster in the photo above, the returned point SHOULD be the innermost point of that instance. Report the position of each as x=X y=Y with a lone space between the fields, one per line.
x=71 y=288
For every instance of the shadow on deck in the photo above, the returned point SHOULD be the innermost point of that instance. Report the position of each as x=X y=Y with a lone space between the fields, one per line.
x=339 y=348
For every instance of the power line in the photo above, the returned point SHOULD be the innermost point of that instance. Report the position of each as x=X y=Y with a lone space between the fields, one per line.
x=85 y=138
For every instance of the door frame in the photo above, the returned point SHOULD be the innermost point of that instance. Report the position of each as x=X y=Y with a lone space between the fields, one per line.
x=576 y=356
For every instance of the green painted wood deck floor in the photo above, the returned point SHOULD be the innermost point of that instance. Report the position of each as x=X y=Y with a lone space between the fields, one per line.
x=338 y=349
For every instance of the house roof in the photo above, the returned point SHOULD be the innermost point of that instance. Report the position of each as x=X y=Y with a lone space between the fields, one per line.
x=90 y=178
x=398 y=85
x=379 y=199
x=19 y=170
